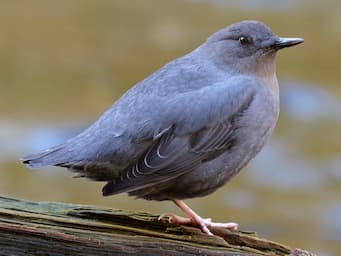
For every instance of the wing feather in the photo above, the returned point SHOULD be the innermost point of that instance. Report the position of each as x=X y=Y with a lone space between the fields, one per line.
x=171 y=156
x=194 y=136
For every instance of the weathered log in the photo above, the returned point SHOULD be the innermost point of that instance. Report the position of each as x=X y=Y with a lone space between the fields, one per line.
x=48 y=228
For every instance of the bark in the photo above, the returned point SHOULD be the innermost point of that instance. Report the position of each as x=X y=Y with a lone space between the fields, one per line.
x=49 y=228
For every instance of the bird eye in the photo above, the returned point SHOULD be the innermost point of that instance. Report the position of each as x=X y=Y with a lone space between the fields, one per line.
x=244 y=40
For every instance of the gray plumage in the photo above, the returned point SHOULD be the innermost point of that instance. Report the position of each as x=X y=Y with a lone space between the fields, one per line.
x=186 y=129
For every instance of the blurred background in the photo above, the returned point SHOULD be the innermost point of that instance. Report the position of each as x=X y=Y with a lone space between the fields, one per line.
x=62 y=63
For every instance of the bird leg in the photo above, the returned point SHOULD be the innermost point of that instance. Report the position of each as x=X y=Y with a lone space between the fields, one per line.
x=195 y=220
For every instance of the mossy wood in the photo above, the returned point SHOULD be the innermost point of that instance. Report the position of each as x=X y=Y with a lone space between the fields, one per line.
x=48 y=228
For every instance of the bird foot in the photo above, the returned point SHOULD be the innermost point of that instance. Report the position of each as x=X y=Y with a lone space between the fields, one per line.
x=205 y=224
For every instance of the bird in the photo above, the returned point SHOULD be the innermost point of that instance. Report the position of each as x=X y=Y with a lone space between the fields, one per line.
x=186 y=129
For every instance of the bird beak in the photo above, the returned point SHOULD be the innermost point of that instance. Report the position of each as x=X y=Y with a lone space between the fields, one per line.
x=283 y=42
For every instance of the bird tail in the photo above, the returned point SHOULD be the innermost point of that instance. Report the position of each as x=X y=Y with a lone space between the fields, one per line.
x=63 y=156
x=52 y=156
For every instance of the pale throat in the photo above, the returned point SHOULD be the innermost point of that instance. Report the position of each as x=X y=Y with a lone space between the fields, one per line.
x=267 y=72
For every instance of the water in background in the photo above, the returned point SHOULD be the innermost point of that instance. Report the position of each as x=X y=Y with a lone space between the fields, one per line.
x=63 y=63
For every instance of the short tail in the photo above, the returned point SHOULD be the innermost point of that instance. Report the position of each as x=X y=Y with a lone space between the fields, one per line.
x=63 y=156
x=52 y=156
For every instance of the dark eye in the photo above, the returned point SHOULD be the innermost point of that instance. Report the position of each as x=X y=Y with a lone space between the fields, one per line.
x=244 y=40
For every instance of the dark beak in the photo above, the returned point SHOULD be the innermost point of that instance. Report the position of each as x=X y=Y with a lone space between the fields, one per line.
x=283 y=42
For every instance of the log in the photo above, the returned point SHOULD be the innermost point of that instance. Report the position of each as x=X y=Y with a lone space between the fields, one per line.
x=49 y=228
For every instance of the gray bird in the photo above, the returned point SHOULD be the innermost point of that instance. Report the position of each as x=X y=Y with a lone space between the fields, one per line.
x=186 y=129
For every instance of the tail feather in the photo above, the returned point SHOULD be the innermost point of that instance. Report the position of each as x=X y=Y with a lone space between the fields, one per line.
x=62 y=156
x=52 y=156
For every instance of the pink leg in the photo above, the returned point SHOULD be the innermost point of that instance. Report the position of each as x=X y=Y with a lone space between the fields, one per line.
x=195 y=220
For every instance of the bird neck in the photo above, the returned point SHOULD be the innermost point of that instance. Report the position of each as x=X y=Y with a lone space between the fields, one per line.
x=266 y=71
x=272 y=82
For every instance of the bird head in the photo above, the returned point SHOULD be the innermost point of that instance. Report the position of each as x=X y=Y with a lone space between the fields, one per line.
x=247 y=47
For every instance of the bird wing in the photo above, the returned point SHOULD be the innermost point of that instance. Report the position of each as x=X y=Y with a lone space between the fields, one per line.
x=178 y=150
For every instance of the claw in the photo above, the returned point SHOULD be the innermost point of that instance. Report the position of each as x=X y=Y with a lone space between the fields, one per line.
x=195 y=220
x=175 y=219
